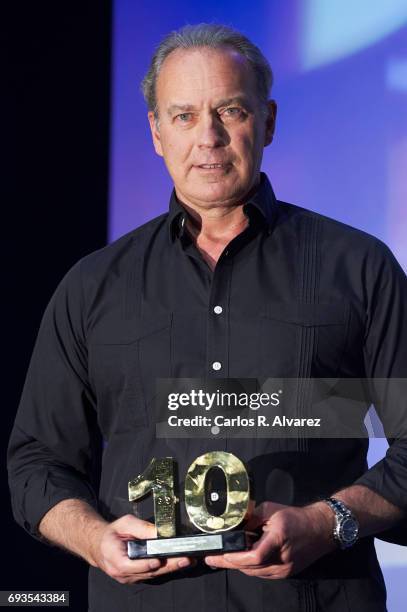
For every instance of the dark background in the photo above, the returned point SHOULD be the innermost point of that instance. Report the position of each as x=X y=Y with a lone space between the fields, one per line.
x=57 y=88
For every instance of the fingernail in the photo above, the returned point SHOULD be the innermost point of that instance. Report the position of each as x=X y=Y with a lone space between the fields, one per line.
x=154 y=564
x=184 y=563
x=208 y=562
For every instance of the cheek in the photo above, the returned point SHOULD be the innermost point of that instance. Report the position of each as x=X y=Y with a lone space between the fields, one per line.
x=246 y=140
x=176 y=152
x=245 y=145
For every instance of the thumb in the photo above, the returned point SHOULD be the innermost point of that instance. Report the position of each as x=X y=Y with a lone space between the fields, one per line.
x=266 y=547
x=261 y=514
x=259 y=554
x=129 y=527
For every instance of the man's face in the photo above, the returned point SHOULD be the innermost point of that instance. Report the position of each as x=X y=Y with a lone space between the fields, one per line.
x=212 y=128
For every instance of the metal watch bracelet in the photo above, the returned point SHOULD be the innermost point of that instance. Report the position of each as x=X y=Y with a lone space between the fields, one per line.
x=346 y=530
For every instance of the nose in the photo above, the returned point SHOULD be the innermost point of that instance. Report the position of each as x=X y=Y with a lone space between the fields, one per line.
x=211 y=131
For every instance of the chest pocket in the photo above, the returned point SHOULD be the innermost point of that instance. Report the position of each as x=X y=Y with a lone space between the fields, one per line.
x=124 y=361
x=303 y=340
x=300 y=340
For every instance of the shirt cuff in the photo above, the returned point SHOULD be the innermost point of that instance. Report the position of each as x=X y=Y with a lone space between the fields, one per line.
x=44 y=489
x=388 y=478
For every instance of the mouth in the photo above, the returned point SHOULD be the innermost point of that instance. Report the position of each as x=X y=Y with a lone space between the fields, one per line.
x=219 y=166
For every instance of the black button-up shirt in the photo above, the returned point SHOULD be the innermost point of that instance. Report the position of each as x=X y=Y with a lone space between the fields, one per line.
x=295 y=295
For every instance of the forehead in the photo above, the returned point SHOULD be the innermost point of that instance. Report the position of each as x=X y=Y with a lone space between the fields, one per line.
x=196 y=75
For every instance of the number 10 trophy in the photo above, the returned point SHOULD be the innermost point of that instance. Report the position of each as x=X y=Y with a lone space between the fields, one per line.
x=218 y=531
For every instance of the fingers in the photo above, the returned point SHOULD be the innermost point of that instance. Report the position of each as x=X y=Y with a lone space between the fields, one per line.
x=226 y=563
x=145 y=569
x=265 y=570
x=263 y=552
x=219 y=561
x=159 y=565
x=131 y=527
x=270 y=572
x=114 y=560
x=261 y=571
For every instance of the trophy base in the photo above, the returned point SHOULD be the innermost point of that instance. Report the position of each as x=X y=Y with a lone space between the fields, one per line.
x=192 y=545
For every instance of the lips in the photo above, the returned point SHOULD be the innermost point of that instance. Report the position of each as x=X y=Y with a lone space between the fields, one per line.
x=213 y=166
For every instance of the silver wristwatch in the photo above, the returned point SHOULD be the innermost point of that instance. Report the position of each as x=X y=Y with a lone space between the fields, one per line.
x=346 y=528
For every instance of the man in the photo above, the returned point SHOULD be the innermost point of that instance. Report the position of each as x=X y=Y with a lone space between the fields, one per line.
x=230 y=283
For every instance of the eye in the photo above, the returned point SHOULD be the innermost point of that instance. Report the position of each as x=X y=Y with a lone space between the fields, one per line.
x=184 y=117
x=233 y=112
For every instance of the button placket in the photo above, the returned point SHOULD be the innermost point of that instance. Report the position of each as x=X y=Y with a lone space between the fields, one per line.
x=218 y=332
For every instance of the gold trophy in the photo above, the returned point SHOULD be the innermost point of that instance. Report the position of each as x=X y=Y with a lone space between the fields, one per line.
x=218 y=531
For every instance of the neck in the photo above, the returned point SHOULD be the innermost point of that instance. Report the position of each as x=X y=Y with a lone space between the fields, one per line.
x=217 y=229
x=220 y=223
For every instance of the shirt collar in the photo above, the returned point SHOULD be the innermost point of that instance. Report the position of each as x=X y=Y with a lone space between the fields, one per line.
x=262 y=200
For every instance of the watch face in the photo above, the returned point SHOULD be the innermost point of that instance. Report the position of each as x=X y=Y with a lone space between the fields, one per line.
x=348 y=530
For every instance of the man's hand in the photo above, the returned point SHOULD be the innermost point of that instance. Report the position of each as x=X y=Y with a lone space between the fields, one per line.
x=109 y=552
x=76 y=526
x=292 y=539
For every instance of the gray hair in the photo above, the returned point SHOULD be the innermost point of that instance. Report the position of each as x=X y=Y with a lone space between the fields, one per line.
x=207 y=35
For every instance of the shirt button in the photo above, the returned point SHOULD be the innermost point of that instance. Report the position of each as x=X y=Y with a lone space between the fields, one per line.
x=217 y=309
x=216 y=365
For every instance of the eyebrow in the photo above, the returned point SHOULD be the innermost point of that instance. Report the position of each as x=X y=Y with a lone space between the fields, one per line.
x=225 y=102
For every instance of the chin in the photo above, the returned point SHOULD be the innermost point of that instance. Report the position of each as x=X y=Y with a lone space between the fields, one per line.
x=217 y=190
x=215 y=195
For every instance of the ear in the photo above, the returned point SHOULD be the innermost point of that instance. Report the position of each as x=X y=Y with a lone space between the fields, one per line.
x=155 y=133
x=270 y=122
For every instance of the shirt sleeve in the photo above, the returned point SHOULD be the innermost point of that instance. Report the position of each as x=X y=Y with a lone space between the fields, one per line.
x=385 y=354
x=51 y=448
